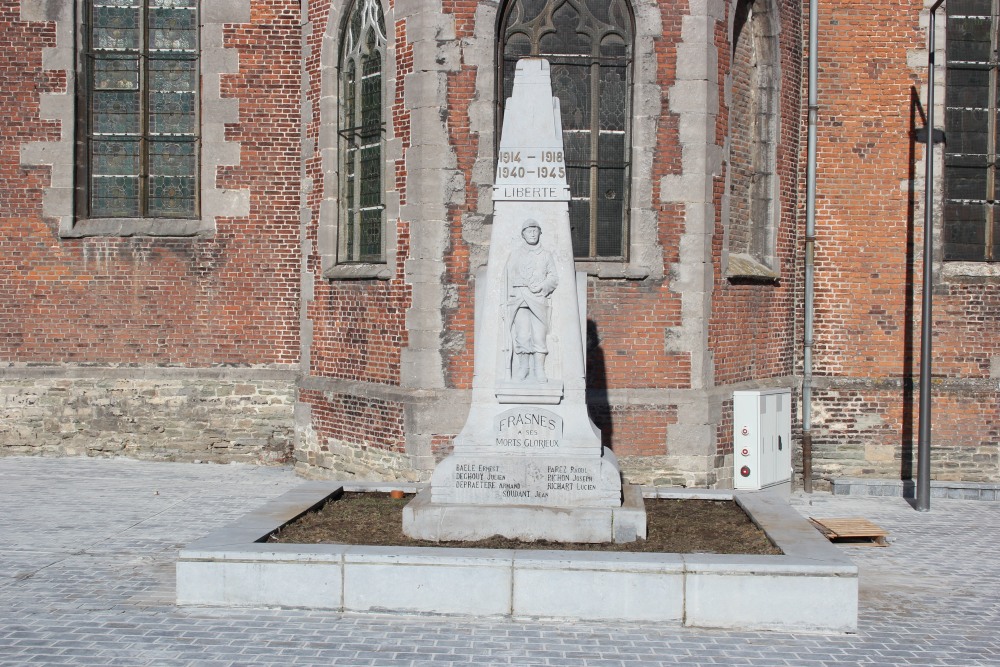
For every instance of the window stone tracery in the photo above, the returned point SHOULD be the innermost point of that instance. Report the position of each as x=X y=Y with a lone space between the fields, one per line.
x=589 y=46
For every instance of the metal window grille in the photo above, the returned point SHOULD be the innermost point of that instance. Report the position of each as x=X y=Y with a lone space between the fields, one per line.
x=142 y=108
x=971 y=220
x=589 y=46
x=361 y=134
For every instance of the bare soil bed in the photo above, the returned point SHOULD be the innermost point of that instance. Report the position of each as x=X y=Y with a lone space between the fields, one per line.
x=673 y=526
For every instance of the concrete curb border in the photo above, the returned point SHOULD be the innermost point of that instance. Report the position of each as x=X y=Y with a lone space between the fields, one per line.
x=813 y=587
x=848 y=486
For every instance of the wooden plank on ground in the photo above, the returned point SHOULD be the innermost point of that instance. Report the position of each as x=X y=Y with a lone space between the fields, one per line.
x=854 y=530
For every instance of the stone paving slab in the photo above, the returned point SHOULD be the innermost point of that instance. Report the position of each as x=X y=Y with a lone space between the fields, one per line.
x=89 y=582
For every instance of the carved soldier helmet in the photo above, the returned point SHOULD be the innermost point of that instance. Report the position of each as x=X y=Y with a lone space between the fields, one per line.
x=531 y=223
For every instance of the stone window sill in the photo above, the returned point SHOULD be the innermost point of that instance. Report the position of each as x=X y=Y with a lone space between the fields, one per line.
x=358 y=272
x=970 y=270
x=742 y=268
x=138 y=227
x=611 y=270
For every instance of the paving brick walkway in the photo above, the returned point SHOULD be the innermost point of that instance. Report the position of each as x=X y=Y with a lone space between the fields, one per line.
x=86 y=578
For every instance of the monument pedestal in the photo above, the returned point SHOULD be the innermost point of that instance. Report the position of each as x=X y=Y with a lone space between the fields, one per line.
x=518 y=472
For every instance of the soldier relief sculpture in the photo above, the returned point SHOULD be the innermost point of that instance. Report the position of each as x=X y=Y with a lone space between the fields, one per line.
x=531 y=278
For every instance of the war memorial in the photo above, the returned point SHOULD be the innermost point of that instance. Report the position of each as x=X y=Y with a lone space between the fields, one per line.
x=529 y=462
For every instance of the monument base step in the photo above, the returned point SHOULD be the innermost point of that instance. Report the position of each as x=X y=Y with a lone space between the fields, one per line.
x=426 y=520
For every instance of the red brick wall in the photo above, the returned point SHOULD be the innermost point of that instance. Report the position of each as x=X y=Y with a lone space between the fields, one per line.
x=627 y=342
x=358 y=330
x=751 y=332
x=864 y=220
x=634 y=430
x=869 y=268
x=229 y=299
x=966 y=312
x=724 y=433
x=870 y=430
x=364 y=421
x=864 y=214
x=24 y=82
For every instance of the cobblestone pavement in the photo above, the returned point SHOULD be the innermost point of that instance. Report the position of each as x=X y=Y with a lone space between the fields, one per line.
x=86 y=578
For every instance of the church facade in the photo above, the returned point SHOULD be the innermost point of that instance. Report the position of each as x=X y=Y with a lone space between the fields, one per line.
x=249 y=230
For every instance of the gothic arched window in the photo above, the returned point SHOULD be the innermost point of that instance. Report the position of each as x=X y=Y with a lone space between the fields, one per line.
x=361 y=134
x=589 y=46
x=753 y=131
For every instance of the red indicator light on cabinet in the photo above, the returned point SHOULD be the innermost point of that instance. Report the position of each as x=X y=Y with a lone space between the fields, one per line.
x=745 y=471
x=745 y=452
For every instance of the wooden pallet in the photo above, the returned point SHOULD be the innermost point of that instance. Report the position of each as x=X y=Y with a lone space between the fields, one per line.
x=854 y=530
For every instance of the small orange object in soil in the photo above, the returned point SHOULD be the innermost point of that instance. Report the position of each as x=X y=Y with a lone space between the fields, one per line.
x=396 y=494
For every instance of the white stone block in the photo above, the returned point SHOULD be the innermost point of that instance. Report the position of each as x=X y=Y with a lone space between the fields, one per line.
x=429 y=25
x=439 y=583
x=778 y=601
x=309 y=584
x=694 y=96
x=695 y=61
x=684 y=188
x=698 y=30
x=606 y=587
x=227 y=11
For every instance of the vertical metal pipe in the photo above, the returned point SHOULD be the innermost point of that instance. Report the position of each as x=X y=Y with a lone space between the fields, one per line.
x=809 y=251
x=923 y=499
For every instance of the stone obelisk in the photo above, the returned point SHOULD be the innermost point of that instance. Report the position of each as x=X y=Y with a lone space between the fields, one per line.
x=529 y=462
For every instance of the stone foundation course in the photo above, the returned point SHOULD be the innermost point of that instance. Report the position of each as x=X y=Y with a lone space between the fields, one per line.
x=174 y=414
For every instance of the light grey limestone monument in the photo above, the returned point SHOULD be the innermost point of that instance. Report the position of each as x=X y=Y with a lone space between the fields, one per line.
x=529 y=463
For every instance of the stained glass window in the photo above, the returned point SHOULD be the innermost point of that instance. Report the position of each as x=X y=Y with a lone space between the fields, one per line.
x=972 y=195
x=589 y=46
x=142 y=108
x=361 y=134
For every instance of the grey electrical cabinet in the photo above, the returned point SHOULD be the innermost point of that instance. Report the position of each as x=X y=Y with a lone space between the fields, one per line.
x=762 y=438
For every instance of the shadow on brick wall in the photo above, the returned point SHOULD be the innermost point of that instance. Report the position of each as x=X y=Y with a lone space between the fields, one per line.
x=598 y=404
x=906 y=427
